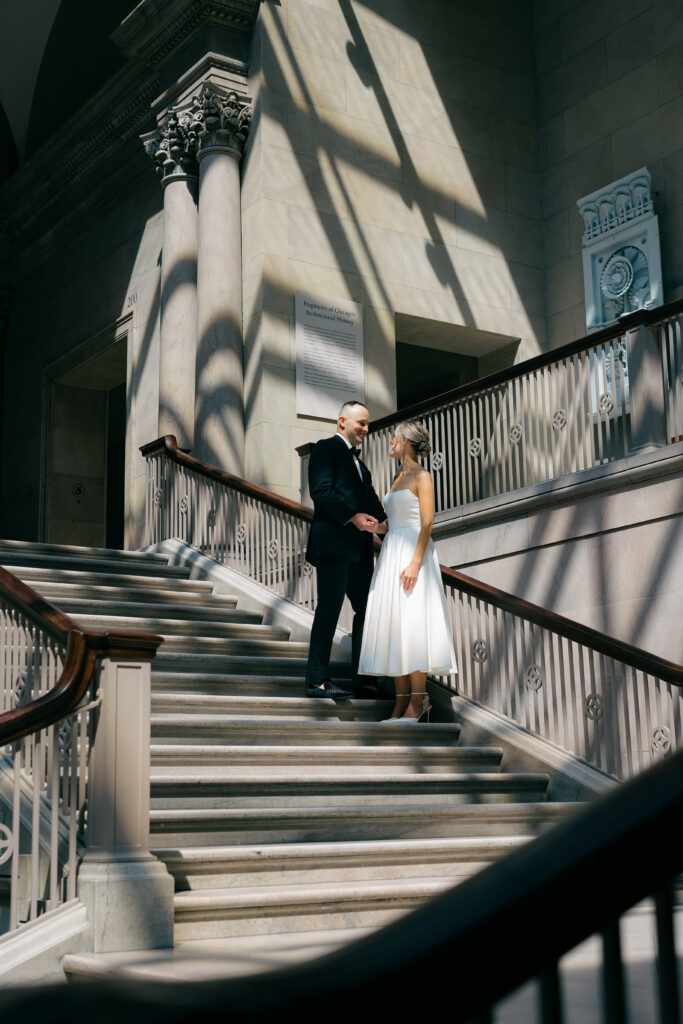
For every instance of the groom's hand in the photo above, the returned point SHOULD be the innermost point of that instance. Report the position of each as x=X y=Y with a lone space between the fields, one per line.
x=363 y=521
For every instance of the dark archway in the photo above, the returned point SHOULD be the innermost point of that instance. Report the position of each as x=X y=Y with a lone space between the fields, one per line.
x=79 y=58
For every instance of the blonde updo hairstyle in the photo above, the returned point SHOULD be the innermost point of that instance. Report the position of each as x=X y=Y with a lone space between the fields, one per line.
x=416 y=433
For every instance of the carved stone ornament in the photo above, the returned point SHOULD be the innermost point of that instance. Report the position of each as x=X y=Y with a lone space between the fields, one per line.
x=211 y=518
x=174 y=146
x=534 y=678
x=65 y=734
x=184 y=504
x=273 y=549
x=21 y=689
x=516 y=433
x=593 y=707
x=241 y=533
x=661 y=740
x=307 y=569
x=475 y=447
x=480 y=651
x=157 y=496
x=437 y=461
x=560 y=419
x=220 y=121
x=6 y=844
x=622 y=269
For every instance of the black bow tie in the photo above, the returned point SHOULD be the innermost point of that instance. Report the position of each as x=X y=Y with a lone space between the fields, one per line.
x=355 y=452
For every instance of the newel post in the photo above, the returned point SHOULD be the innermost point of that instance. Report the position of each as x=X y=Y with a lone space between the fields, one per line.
x=127 y=891
x=646 y=390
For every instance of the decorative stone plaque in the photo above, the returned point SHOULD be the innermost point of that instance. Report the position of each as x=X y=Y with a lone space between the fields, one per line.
x=622 y=269
x=330 y=368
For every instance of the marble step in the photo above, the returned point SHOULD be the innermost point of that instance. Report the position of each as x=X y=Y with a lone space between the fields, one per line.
x=201 y=663
x=181 y=632
x=209 y=667
x=234 y=867
x=329 y=759
x=227 y=684
x=217 y=788
x=38 y=549
x=188 y=614
x=269 y=706
x=263 y=730
x=217 y=913
x=185 y=594
x=424 y=820
x=102 y=571
x=210 y=959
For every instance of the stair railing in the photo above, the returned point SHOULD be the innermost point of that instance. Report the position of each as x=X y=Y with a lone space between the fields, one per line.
x=610 y=704
x=596 y=400
x=50 y=698
x=468 y=948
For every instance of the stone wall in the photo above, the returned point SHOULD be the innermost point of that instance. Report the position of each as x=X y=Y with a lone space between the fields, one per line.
x=90 y=278
x=610 y=100
x=603 y=547
x=392 y=161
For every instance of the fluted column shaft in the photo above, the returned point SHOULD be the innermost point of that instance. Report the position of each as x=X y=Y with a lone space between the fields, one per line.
x=178 y=318
x=222 y=125
x=173 y=148
x=219 y=403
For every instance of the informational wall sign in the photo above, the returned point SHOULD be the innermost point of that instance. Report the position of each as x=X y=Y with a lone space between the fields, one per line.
x=330 y=368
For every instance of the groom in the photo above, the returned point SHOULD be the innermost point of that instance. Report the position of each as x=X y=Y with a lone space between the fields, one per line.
x=346 y=513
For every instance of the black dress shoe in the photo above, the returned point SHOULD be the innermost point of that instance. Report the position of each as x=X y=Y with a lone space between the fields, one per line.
x=330 y=690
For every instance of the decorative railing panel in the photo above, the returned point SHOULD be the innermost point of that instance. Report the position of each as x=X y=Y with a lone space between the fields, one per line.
x=614 y=706
x=564 y=412
x=618 y=716
x=49 y=701
x=263 y=540
x=43 y=776
x=671 y=341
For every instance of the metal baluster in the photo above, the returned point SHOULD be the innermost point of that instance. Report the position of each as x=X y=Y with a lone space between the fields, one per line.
x=613 y=995
x=16 y=835
x=667 y=961
x=550 y=995
x=53 y=790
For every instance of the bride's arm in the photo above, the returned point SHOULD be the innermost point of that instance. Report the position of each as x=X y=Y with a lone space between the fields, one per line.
x=425 y=496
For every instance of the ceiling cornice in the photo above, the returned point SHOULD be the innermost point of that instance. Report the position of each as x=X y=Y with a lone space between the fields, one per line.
x=156 y=28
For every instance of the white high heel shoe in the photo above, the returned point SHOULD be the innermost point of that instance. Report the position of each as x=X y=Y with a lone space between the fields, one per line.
x=424 y=714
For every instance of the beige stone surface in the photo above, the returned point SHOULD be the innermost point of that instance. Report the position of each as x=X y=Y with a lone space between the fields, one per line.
x=631 y=97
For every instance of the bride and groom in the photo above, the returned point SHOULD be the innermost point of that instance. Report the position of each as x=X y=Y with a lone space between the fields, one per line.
x=400 y=624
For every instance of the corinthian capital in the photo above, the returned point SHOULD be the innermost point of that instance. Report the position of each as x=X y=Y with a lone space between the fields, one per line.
x=220 y=121
x=173 y=147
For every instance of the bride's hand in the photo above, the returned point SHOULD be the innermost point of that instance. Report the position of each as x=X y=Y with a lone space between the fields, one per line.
x=408 y=576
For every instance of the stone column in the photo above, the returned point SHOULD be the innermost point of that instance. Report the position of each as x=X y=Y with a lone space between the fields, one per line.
x=174 y=150
x=646 y=390
x=222 y=124
x=128 y=892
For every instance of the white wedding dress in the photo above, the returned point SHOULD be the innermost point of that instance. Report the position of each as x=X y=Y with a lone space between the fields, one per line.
x=406 y=632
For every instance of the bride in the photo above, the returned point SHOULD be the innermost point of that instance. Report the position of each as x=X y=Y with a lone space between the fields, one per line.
x=407 y=633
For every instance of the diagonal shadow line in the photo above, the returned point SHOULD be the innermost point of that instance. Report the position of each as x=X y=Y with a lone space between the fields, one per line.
x=360 y=57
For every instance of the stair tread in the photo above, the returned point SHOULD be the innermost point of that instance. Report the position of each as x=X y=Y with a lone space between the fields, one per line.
x=308 y=893
x=210 y=779
x=508 y=811
x=322 y=852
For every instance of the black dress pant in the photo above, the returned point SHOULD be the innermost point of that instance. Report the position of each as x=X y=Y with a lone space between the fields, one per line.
x=338 y=578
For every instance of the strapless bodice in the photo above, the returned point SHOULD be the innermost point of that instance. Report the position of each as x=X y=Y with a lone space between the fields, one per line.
x=402 y=509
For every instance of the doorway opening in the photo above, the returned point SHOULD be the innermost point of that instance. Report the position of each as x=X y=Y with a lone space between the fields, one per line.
x=86 y=465
x=433 y=357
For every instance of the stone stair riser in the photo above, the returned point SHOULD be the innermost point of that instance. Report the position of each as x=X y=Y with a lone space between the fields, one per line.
x=343 y=917
x=326 y=760
x=275 y=731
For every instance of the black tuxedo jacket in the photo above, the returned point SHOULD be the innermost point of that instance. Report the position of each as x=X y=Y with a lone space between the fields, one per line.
x=338 y=493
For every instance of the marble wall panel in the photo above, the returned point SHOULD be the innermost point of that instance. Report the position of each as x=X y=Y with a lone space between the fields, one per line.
x=617 y=104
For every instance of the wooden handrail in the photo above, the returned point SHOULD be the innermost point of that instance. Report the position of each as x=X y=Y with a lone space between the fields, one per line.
x=502 y=926
x=552 y=621
x=626 y=323
x=181 y=456
x=83 y=648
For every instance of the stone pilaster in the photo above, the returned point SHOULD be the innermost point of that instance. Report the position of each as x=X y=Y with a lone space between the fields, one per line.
x=222 y=125
x=173 y=147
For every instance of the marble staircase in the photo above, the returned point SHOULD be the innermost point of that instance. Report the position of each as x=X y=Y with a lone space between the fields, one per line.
x=289 y=824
